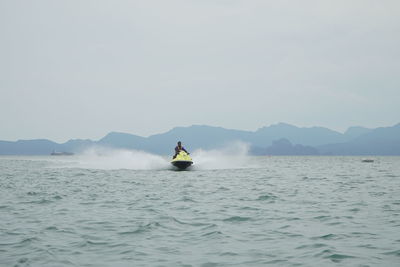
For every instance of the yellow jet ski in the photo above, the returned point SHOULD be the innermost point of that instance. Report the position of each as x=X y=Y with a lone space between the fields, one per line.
x=182 y=160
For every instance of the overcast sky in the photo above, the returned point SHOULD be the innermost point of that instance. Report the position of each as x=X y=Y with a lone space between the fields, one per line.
x=80 y=69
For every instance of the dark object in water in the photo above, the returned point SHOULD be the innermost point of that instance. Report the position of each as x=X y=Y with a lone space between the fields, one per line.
x=54 y=153
x=367 y=160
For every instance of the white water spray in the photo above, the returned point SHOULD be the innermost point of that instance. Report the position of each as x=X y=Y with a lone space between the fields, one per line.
x=109 y=159
x=232 y=156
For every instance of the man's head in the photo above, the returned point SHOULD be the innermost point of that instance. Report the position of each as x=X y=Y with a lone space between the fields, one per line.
x=179 y=143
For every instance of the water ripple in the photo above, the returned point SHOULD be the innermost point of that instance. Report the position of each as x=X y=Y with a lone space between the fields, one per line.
x=288 y=211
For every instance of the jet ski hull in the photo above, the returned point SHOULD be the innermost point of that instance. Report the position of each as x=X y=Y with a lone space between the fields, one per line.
x=181 y=164
x=182 y=160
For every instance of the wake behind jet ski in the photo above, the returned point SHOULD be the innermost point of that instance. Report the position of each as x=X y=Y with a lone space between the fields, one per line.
x=181 y=159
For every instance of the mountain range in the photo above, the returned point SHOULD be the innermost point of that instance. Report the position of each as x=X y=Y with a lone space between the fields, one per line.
x=277 y=139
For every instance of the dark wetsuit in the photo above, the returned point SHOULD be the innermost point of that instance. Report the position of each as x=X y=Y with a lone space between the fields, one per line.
x=177 y=150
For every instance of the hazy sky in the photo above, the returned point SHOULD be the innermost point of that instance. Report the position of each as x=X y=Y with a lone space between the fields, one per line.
x=80 y=69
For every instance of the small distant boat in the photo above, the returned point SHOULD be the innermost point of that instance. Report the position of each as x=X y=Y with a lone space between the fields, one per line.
x=182 y=160
x=367 y=160
x=56 y=153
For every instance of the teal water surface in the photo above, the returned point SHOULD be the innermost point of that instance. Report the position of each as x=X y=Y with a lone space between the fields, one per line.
x=285 y=211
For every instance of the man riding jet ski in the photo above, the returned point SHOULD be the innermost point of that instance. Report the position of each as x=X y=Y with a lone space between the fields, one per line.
x=181 y=159
x=178 y=149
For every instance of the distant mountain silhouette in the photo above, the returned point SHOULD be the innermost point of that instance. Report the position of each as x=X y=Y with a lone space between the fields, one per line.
x=122 y=140
x=354 y=132
x=313 y=136
x=28 y=147
x=276 y=139
x=284 y=147
x=76 y=145
x=379 y=141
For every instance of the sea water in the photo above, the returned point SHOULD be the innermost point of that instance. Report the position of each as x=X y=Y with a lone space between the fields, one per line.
x=127 y=208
